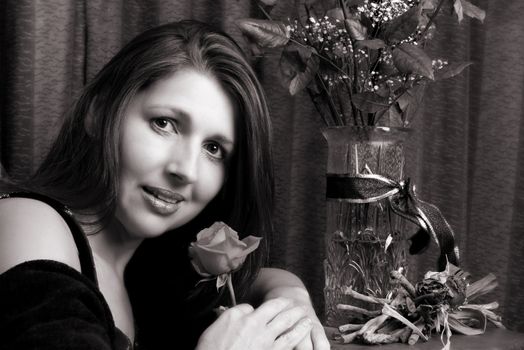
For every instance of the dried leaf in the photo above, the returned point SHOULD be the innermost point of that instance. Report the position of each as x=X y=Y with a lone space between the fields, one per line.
x=410 y=58
x=265 y=33
x=410 y=304
x=389 y=239
x=387 y=310
x=370 y=102
x=486 y=310
x=460 y=321
x=481 y=287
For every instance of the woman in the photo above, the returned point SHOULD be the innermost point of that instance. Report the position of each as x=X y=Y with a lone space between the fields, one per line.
x=171 y=136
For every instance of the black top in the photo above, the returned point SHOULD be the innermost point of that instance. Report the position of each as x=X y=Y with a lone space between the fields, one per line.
x=48 y=305
x=45 y=304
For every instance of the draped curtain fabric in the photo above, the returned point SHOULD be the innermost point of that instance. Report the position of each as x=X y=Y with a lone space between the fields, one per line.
x=466 y=154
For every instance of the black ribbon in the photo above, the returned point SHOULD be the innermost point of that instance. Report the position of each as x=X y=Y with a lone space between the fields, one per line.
x=369 y=188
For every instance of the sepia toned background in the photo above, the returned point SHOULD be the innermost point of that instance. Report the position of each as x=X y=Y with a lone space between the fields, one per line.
x=466 y=154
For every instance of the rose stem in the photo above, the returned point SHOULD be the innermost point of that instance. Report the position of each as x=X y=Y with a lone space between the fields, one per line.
x=347 y=338
x=404 y=283
x=370 y=299
x=413 y=338
x=358 y=309
x=231 y=291
x=370 y=326
x=405 y=334
x=350 y=327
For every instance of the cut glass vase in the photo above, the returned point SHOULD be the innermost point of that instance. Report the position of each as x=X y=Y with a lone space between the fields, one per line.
x=364 y=241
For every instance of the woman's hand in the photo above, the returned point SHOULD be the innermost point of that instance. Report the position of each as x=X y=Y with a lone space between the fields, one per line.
x=317 y=339
x=274 y=283
x=277 y=324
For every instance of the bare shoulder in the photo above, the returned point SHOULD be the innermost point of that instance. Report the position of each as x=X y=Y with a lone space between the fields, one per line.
x=31 y=230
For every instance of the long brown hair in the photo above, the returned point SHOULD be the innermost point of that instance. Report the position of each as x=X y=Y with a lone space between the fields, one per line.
x=81 y=169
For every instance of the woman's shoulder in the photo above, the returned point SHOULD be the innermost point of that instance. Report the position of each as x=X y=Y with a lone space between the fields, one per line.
x=31 y=229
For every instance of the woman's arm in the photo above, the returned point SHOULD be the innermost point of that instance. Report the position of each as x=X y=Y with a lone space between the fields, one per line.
x=277 y=283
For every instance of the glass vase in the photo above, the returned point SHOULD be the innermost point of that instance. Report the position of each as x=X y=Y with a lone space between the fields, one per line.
x=364 y=241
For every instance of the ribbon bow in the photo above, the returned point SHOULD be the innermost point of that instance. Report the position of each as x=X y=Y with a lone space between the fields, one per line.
x=368 y=188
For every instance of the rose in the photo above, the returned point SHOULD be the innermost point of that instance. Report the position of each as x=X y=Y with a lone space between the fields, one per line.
x=217 y=252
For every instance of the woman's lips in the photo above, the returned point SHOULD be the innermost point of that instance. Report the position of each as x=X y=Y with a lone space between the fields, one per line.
x=162 y=201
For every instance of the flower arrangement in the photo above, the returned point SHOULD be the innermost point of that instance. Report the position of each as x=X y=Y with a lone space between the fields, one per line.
x=362 y=62
x=440 y=303
x=218 y=252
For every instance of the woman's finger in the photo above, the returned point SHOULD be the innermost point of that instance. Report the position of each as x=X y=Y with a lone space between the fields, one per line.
x=286 y=319
x=319 y=338
x=235 y=312
x=305 y=344
x=294 y=336
x=269 y=309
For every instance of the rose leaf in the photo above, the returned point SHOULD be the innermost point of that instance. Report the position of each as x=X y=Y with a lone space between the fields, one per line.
x=451 y=70
x=373 y=44
x=336 y=13
x=356 y=30
x=268 y=2
x=403 y=26
x=464 y=7
x=370 y=102
x=298 y=66
x=410 y=58
x=265 y=33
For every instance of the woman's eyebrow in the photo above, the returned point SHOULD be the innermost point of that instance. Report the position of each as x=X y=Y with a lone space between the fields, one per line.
x=172 y=108
x=226 y=141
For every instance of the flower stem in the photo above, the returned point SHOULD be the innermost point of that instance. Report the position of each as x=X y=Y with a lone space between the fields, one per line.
x=264 y=12
x=431 y=19
x=231 y=290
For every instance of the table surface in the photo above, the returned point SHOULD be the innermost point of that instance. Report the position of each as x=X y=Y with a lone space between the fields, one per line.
x=492 y=339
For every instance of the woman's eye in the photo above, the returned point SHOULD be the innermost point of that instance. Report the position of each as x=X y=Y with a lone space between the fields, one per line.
x=164 y=124
x=215 y=150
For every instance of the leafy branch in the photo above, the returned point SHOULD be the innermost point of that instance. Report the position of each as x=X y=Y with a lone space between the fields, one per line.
x=358 y=57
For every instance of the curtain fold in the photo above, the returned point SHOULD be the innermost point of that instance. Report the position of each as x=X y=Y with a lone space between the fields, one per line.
x=465 y=155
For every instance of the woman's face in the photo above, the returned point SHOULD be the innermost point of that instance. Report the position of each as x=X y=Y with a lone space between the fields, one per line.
x=174 y=143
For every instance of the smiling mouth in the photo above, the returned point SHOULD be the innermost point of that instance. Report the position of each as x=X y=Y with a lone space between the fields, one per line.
x=162 y=201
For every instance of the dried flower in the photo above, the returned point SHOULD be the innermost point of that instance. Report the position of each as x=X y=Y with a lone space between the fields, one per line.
x=361 y=61
x=439 y=303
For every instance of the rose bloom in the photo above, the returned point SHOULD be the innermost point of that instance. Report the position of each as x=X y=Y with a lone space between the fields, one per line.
x=218 y=250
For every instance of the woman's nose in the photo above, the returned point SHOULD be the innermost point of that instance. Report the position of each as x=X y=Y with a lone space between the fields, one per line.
x=183 y=162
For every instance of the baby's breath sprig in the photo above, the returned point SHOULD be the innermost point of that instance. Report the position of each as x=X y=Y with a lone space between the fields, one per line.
x=362 y=62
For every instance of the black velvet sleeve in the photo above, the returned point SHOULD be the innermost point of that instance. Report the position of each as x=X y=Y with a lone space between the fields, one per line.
x=48 y=305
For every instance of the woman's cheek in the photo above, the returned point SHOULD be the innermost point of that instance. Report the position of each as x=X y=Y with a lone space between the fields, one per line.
x=212 y=177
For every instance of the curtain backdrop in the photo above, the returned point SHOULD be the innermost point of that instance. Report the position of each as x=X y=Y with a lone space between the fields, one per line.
x=466 y=155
